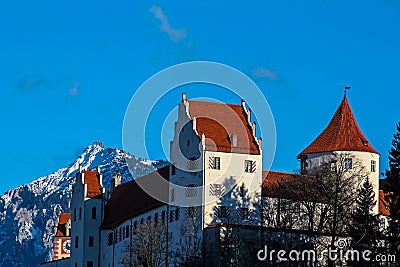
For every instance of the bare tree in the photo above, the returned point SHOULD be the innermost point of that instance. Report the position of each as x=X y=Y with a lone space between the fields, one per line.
x=148 y=245
x=189 y=252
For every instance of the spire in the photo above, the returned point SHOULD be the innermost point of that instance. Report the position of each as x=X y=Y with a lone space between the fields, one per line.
x=341 y=134
x=346 y=88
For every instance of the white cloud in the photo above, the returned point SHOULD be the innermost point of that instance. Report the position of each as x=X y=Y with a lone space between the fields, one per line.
x=73 y=90
x=263 y=72
x=174 y=34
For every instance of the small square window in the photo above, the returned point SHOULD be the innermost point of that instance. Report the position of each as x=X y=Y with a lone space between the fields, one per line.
x=244 y=213
x=348 y=163
x=222 y=212
x=249 y=166
x=215 y=163
x=191 y=190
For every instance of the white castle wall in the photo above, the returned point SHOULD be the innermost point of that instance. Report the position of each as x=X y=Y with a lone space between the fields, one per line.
x=317 y=159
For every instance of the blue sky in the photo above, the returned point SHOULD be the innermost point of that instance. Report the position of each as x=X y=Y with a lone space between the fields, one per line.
x=68 y=69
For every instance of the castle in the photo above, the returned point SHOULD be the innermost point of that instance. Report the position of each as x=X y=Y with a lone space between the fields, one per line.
x=214 y=181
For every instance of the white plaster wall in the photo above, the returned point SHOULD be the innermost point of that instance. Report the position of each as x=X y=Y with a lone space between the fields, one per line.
x=316 y=159
x=232 y=168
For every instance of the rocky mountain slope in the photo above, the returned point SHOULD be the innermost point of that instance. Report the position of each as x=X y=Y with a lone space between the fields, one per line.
x=28 y=214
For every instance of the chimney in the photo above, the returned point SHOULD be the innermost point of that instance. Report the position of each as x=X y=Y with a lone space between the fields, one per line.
x=243 y=103
x=184 y=97
x=115 y=181
x=233 y=138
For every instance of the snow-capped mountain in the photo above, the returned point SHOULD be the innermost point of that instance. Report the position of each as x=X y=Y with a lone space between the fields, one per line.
x=28 y=214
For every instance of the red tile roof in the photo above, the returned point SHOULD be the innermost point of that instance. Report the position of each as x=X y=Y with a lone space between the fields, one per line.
x=92 y=179
x=218 y=121
x=383 y=204
x=130 y=200
x=62 y=221
x=341 y=134
x=286 y=185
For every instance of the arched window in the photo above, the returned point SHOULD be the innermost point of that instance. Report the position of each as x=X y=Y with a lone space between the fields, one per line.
x=94 y=213
x=80 y=213
x=74 y=214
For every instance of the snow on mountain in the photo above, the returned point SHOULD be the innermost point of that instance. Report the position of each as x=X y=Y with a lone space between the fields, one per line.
x=29 y=213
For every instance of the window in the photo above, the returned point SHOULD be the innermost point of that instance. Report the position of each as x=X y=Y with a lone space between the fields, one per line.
x=373 y=166
x=94 y=213
x=297 y=208
x=80 y=213
x=241 y=191
x=163 y=216
x=188 y=143
x=76 y=264
x=244 y=213
x=222 y=212
x=171 y=216
x=156 y=218
x=173 y=169
x=127 y=231
x=177 y=213
x=134 y=227
x=120 y=234
x=348 y=163
x=141 y=221
x=249 y=166
x=90 y=264
x=191 y=190
x=91 y=241
x=76 y=241
x=333 y=166
x=214 y=163
x=74 y=214
x=382 y=223
x=110 y=238
x=172 y=197
x=191 y=212
x=192 y=163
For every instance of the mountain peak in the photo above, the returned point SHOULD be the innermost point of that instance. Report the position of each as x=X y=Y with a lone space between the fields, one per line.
x=30 y=227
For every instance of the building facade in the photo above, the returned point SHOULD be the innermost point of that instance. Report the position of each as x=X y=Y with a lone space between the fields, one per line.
x=214 y=183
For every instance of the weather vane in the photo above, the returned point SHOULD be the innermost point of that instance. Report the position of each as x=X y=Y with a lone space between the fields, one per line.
x=345 y=88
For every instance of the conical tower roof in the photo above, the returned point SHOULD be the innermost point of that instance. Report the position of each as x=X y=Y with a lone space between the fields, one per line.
x=341 y=134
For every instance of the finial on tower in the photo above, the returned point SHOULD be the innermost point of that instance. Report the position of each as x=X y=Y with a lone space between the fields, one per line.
x=346 y=88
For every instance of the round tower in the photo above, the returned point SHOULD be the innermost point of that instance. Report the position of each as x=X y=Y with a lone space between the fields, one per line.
x=343 y=136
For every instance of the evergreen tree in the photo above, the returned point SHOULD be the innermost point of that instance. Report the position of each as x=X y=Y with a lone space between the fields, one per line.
x=393 y=193
x=365 y=225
